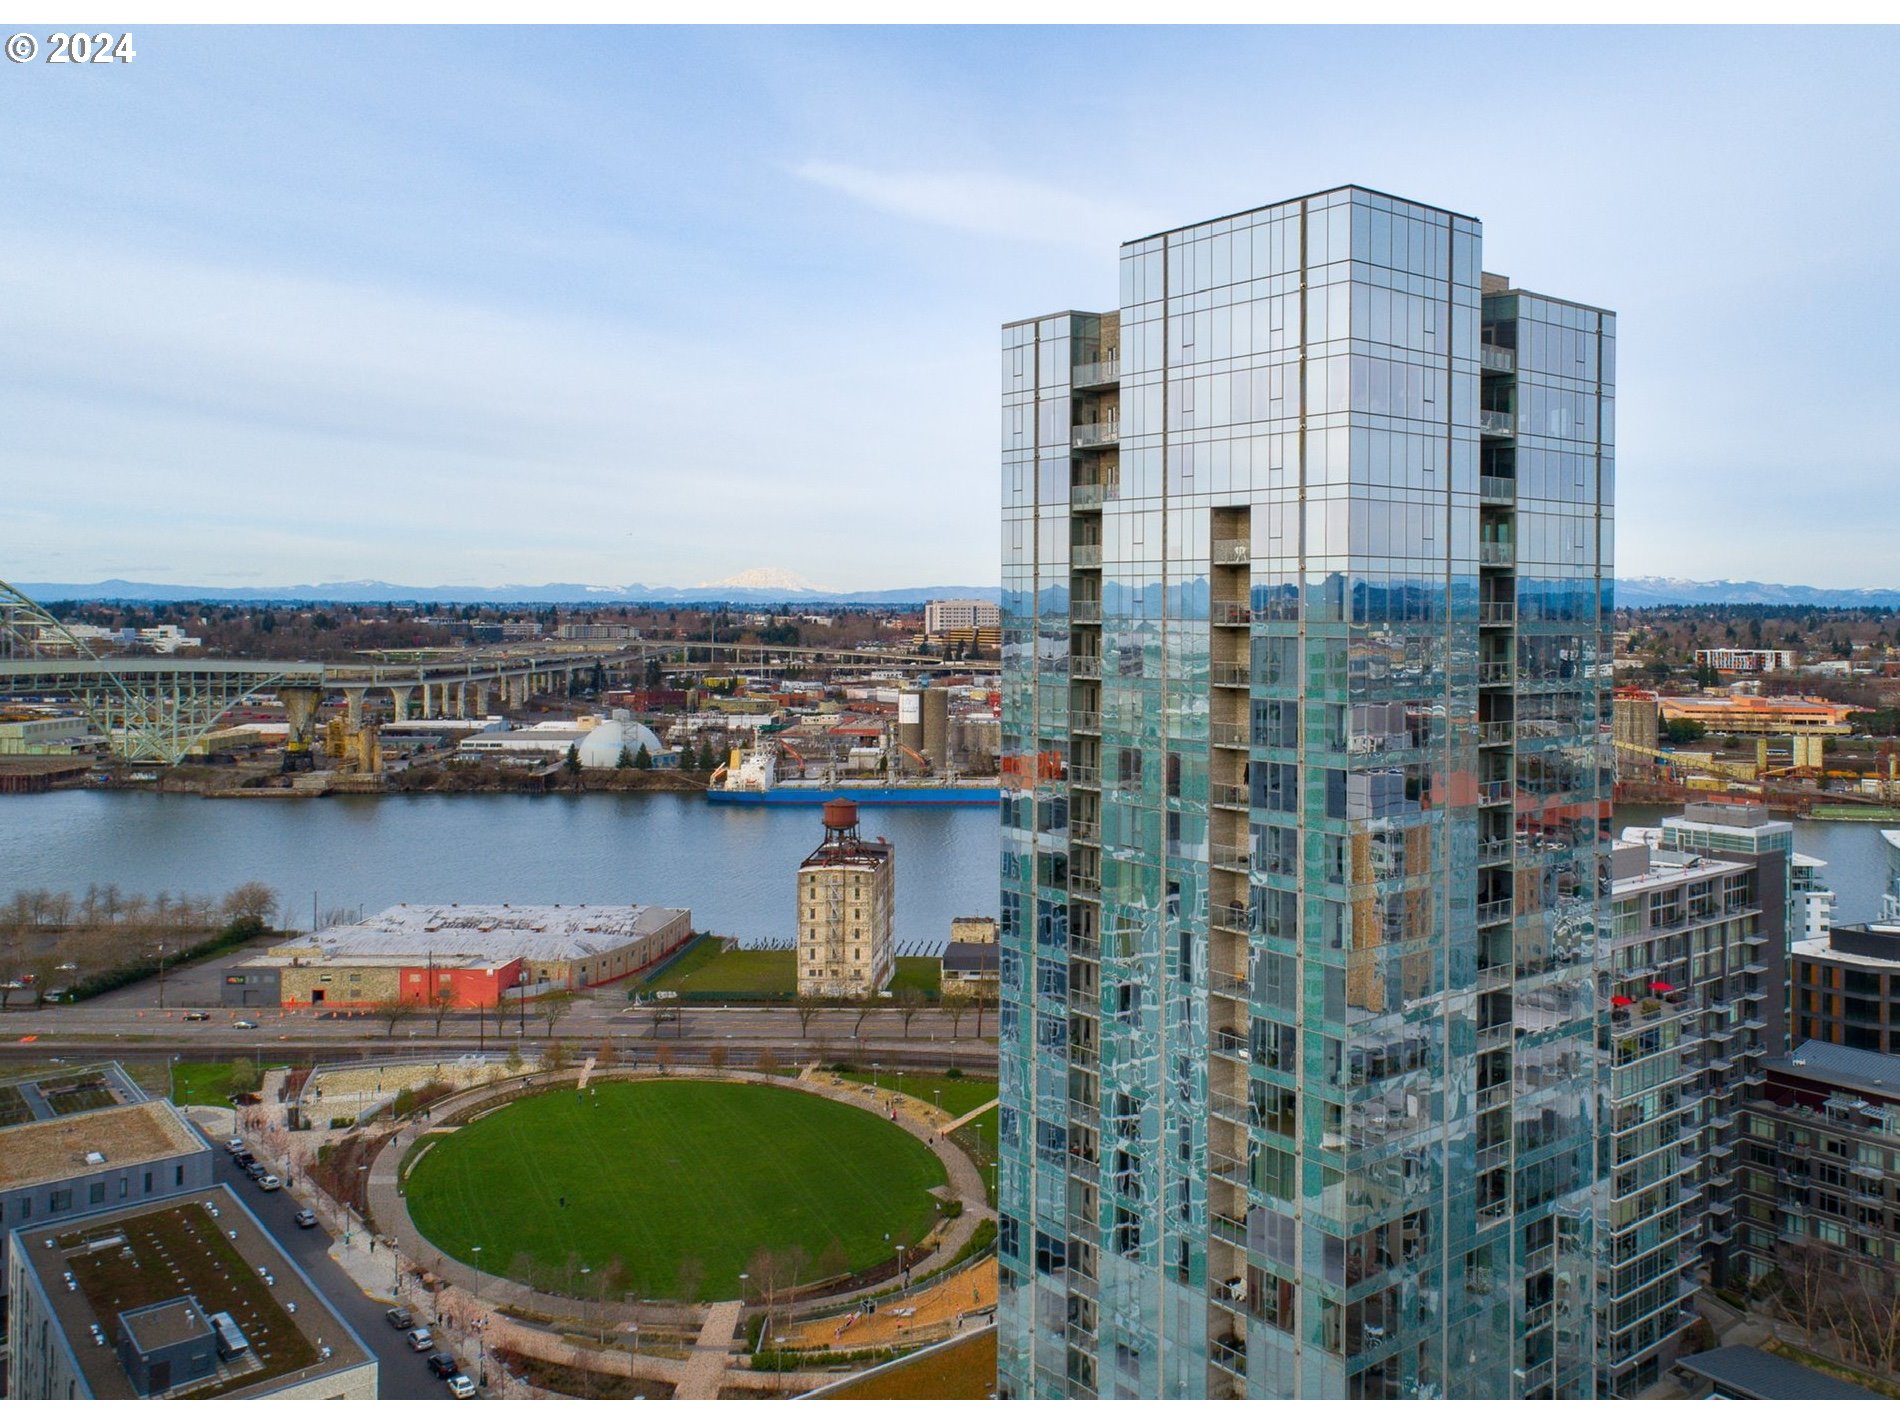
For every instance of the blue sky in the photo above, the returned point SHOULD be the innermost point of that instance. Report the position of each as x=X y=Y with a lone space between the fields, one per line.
x=614 y=305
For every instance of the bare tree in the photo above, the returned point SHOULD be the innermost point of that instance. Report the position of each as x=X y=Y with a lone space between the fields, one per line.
x=251 y=901
x=663 y=1056
x=806 y=1006
x=863 y=1007
x=553 y=1007
x=444 y=1003
x=688 y=1277
x=716 y=1056
x=982 y=999
x=908 y=999
x=766 y=1062
x=554 y=1058
x=393 y=1012
x=606 y=1055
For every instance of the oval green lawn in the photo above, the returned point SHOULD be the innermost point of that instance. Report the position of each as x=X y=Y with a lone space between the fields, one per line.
x=659 y=1173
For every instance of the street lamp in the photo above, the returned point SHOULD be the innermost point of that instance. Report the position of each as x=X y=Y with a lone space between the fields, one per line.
x=874 y=1068
x=779 y=1356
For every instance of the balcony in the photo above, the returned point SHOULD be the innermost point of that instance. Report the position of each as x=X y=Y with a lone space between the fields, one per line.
x=1227 y=986
x=1088 y=497
x=1496 y=551
x=1236 y=918
x=1233 y=1045
x=1084 y=720
x=1090 y=831
x=1496 y=734
x=1229 y=734
x=1087 y=882
x=1085 y=556
x=1231 y=675
x=1228 y=796
x=1096 y=433
x=1101 y=373
x=1230 y=858
x=1502 y=424
x=1502 y=612
x=1085 y=611
x=1231 y=613
x=1083 y=776
x=1497 y=794
x=1082 y=666
x=1496 y=673
x=1496 y=490
x=1494 y=853
x=1231 y=551
x=1495 y=912
x=1500 y=360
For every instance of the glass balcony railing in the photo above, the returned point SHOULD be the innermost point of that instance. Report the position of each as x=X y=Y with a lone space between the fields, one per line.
x=1497 y=551
x=1085 y=611
x=1086 y=556
x=1085 y=667
x=1495 y=793
x=1097 y=373
x=1500 y=359
x=1494 y=734
x=1497 y=489
x=1494 y=672
x=1231 y=551
x=1498 y=423
x=1231 y=611
x=1228 y=795
x=1087 y=497
x=1096 y=433
x=1500 y=611
x=1231 y=675
x=1230 y=734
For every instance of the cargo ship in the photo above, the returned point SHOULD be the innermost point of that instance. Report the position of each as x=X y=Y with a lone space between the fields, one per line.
x=751 y=779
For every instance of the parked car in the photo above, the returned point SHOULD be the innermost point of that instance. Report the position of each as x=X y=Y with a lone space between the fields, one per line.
x=234 y=1146
x=443 y=1364
x=244 y=1024
x=461 y=1387
x=270 y=1182
x=256 y=1170
x=420 y=1339
x=196 y=1016
x=306 y=1218
x=399 y=1317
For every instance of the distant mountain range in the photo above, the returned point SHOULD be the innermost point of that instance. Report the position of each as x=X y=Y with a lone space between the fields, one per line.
x=1648 y=593
x=777 y=586
x=748 y=588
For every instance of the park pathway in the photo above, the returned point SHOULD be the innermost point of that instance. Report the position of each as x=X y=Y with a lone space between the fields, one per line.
x=706 y=1368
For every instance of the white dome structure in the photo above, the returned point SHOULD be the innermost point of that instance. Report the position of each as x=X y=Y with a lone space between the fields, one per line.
x=602 y=746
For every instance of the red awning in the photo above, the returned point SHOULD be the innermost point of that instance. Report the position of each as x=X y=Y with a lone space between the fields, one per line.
x=1660 y=988
x=1621 y=1001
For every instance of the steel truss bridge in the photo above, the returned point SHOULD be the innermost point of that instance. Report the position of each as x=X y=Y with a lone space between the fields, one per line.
x=153 y=709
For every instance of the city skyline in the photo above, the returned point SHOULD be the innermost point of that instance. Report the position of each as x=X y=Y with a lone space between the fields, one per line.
x=335 y=305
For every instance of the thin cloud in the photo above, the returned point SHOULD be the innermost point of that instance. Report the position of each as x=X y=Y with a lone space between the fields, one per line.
x=995 y=204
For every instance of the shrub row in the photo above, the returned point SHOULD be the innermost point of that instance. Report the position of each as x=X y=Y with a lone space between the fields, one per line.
x=245 y=927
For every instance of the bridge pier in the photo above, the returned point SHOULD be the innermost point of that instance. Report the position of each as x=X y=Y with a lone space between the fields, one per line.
x=300 y=711
x=428 y=705
x=353 y=704
x=481 y=699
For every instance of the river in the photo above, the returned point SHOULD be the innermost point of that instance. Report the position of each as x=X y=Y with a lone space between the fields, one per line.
x=733 y=867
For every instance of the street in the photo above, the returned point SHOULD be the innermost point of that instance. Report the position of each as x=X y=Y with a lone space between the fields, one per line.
x=403 y=1374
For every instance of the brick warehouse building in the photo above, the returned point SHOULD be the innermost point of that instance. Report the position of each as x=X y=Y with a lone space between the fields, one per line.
x=474 y=955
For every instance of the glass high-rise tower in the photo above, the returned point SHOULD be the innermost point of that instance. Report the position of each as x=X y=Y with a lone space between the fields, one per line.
x=1306 y=574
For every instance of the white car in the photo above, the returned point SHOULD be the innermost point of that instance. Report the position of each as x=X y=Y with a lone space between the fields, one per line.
x=234 y=1145
x=421 y=1340
x=270 y=1182
x=461 y=1387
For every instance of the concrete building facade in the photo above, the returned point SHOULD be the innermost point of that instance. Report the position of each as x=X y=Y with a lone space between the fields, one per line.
x=847 y=892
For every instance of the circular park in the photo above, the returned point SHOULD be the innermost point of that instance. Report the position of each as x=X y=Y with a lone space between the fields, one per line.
x=672 y=1188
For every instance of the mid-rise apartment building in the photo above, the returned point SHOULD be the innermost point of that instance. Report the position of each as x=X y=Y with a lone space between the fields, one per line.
x=846 y=896
x=954 y=616
x=1307 y=567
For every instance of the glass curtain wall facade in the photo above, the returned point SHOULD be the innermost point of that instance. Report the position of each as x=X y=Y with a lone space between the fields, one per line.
x=1306 y=571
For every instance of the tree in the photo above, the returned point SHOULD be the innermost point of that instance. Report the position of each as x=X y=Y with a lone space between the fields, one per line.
x=252 y=901
x=956 y=999
x=643 y=759
x=393 y=1012
x=573 y=761
x=513 y=1062
x=1684 y=730
x=908 y=999
x=766 y=1062
x=625 y=762
x=605 y=1056
x=863 y=1007
x=663 y=1056
x=716 y=1056
x=443 y=1003
x=687 y=1278
x=806 y=1006
x=982 y=998
x=554 y=1058
x=243 y=1077
x=552 y=1007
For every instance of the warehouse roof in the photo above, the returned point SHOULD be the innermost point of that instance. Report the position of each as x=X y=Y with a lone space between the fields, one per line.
x=505 y=932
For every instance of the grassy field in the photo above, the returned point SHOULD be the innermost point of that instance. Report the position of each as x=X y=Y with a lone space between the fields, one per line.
x=202 y=1083
x=715 y=967
x=958 y=1096
x=660 y=1174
